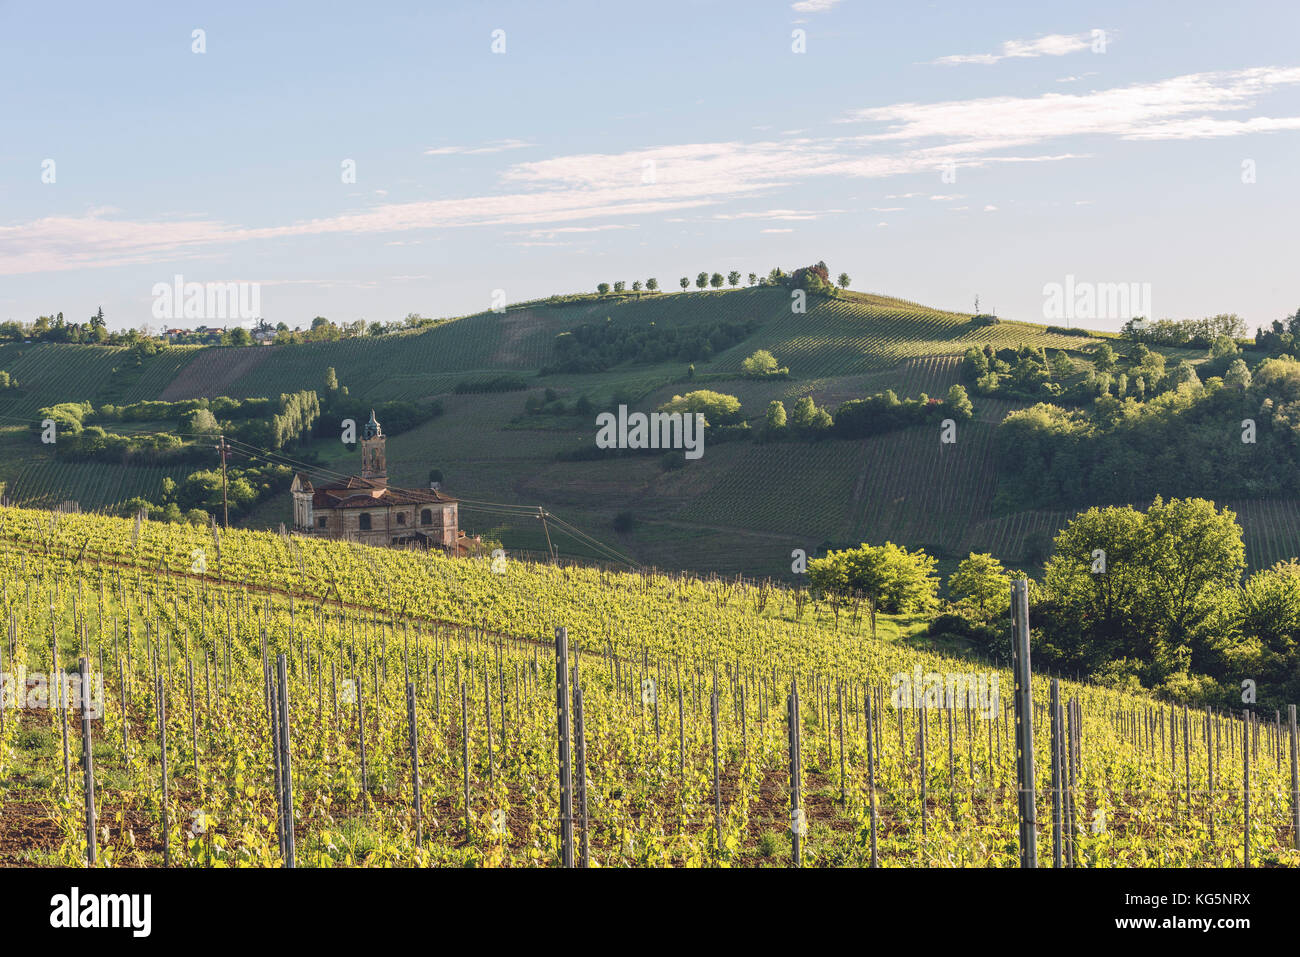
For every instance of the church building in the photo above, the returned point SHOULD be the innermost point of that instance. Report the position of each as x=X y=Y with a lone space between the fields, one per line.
x=364 y=509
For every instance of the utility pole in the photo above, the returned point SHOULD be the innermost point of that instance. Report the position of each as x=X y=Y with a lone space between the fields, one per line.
x=223 y=448
x=541 y=513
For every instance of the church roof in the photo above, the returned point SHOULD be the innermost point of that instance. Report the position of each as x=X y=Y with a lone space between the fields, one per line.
x=357 y=492
x=371 y=429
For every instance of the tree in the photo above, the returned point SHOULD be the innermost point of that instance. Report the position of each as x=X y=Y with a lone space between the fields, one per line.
x=716 y=280
x=652 y=284
x=974 y=363
x=636 y=285
x=895 y=580
x=958 y=403
x=981 y=580
x=733 y=278
x=200 y=422
x=775 y=419
x=753 y=278
x=702 y=280
x=239 y=336
x=1185 y=373
x=1061 y=364
x=618 y=286
x=1150 y=587
x=807 y=418
x=331 y=379
x=843 y=280
x=1104 y=358
x=812 y=278
x=1237 y=376
x=761 y=363
x=718 y=408
x=603 y=288
x=685 y=282
x=1223 y=347
x=1270 y=625
x=97 y=320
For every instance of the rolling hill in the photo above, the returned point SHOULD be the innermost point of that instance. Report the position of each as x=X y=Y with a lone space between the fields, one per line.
x=741 y=508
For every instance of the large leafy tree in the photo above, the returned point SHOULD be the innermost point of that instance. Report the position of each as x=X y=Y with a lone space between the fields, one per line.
x=1267 y=645
x=1151 y=586
x=718 y=407
x=761 y=363
x=981 y=580
x=895 y=580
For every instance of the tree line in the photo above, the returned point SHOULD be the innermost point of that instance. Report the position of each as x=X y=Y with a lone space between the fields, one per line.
x=1131 y=599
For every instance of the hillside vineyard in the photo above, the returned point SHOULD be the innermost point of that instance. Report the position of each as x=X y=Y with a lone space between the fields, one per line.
x=272 y=700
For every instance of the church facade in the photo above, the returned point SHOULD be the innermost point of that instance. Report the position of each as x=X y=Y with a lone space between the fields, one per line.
x=363 y=508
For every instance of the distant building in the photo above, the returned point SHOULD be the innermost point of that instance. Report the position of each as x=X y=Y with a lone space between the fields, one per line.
x=362 y=508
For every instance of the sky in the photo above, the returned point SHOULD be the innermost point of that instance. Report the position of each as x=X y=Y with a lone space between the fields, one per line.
x=934 y=152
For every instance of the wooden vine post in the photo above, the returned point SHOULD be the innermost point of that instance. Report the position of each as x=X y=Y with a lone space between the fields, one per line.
x=566 y=759
x=796 y=773
x=1024 y=703
x=87 y=762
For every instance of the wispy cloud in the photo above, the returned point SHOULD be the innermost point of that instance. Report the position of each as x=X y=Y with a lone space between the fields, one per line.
x=585 y=192
x=559 y=230
x=813 y=6
x=1166 y=109
x=498 y=147
x=798 y=215
x=1054 y=44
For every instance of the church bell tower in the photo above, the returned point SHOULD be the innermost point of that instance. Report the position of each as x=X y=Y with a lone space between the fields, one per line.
x=374 y=466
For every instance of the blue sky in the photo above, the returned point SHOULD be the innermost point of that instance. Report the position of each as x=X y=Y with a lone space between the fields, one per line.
x=526 y=171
